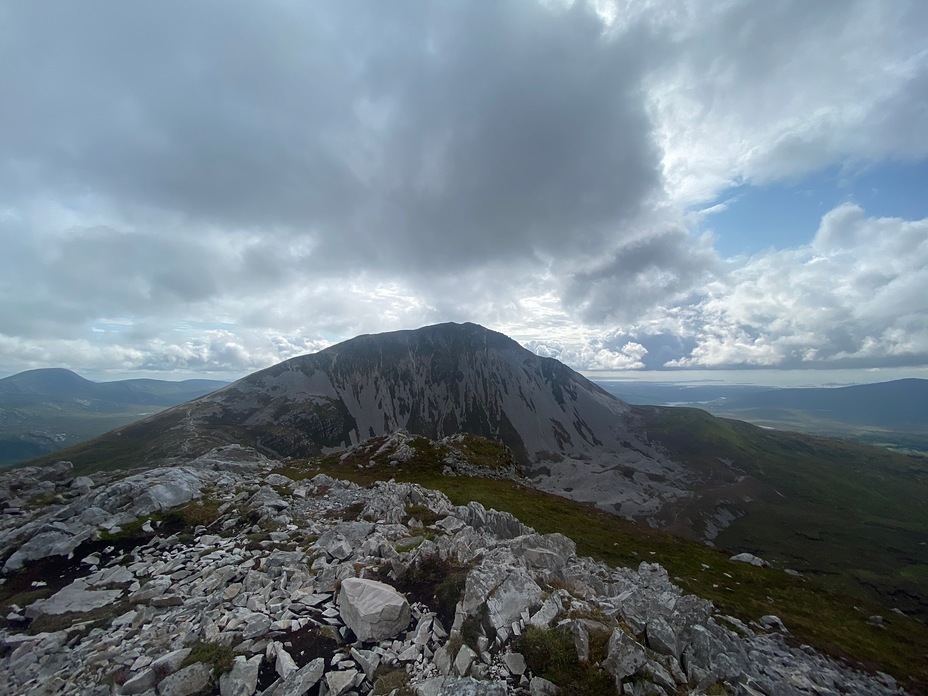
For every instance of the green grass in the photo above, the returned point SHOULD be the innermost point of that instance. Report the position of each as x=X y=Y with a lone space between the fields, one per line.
x=853 y=515
x=813 y=612
x=220 y=657
x=551 y=654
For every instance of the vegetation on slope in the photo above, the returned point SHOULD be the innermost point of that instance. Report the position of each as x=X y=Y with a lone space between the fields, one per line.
x=853 y=515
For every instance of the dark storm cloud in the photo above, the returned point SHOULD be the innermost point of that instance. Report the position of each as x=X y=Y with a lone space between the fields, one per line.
x=639 y=274
x=421 y=134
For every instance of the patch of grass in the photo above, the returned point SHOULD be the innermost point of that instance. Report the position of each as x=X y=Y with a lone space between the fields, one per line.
x=45 y=499
x=551 y=654
x=852 y=515
x=486 y=453
x=403 y=548
x=95 y=618
x=24 y=599
x=423 y=514
x=436 y=582
x=202 y=511
x=180 y=520
x=296 y=470
x=220 y=657
x=349 y=513
x=391 y=680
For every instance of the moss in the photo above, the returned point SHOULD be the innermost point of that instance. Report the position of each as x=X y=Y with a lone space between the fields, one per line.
x=391 y=681
x=423 y=514
x=552 y=655
x=220 y=657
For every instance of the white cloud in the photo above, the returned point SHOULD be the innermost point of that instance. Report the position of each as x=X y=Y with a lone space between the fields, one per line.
x=856 y=294
x=760 y=92
x=178 y=200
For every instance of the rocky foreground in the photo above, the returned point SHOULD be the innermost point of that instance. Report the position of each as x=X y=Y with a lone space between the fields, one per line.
x=220 y=576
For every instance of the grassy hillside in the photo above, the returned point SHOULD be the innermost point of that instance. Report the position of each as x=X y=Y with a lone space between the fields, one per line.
x=813 y=612
x=898 y=437
x=853 y=515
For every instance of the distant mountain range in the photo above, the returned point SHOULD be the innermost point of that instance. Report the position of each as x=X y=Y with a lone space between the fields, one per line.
x=892 y=414
x=44 y=410
x=899 y=402
x=853 y=514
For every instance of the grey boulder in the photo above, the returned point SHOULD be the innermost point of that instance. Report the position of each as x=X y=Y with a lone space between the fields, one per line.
x=373 y=610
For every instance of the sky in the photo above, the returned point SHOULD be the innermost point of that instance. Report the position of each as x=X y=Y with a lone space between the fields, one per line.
x=203 y=189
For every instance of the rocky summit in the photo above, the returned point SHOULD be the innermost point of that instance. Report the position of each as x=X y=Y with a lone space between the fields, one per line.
x=221 y=575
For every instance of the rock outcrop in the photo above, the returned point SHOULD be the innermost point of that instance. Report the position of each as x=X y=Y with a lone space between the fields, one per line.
x=262 y=584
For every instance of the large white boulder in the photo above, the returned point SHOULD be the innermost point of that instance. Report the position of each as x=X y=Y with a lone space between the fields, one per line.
x=373 y=610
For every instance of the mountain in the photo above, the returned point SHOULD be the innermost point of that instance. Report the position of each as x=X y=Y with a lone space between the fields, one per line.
x=434 y=382
x=851 y=514
x=63 y=387
x=44 y=410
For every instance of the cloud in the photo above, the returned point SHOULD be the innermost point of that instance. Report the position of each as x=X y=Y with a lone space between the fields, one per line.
x=411 y=135
x=854 y=297
x=593 y=355
x=635 y=277
x=197 y=187
x=759 y=93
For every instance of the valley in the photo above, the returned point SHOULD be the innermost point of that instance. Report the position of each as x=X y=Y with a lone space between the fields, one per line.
x=42 y=411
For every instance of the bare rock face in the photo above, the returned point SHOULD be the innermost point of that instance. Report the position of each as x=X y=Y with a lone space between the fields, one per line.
x=373 y=610
x=749 y=558
x=73 y=598
x=49 y=543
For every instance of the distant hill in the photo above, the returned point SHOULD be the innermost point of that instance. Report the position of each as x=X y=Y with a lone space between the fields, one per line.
x=44 y=410
x=899 y=402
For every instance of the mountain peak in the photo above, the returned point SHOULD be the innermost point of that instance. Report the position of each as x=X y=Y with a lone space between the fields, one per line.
x=49 y=380
x=435 y=381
